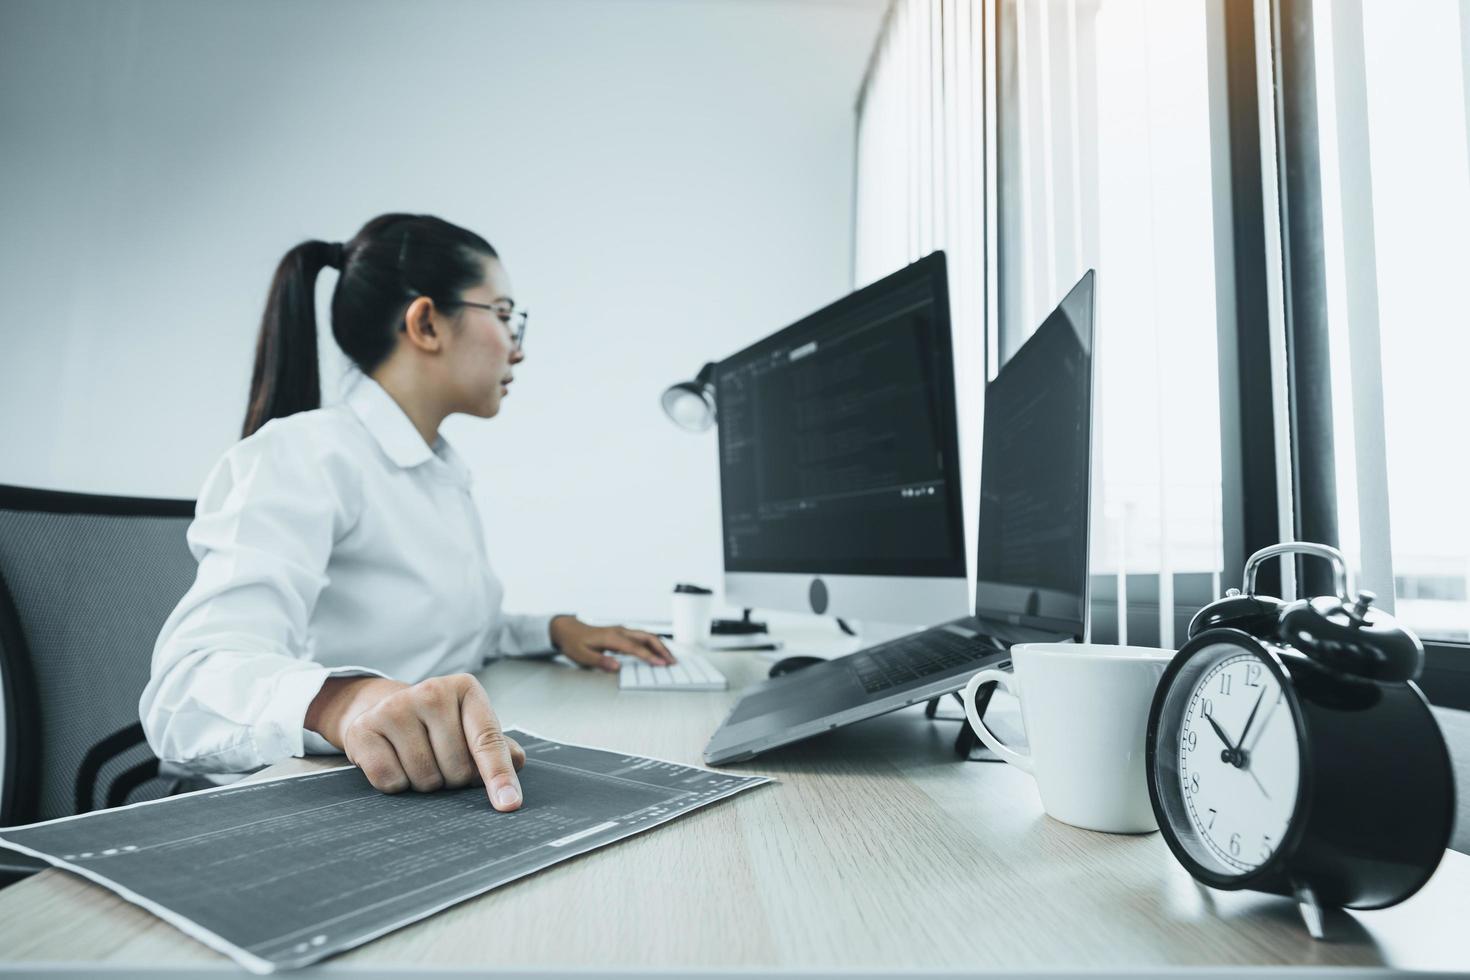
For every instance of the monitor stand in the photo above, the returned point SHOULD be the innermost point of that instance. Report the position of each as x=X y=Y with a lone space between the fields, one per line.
x=744 y=626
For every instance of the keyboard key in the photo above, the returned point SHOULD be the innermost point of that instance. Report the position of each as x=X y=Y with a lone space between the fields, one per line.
x=692 y=672
x=913 y=658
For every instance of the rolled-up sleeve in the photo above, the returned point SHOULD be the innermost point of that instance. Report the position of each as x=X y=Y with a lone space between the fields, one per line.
x=233 y=672
x=525 y=636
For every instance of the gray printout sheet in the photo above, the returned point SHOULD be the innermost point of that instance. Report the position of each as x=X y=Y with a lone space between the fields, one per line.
x=281 y=873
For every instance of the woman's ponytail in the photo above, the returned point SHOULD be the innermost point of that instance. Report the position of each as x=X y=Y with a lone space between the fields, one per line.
x=286 y=379
x=392 y=260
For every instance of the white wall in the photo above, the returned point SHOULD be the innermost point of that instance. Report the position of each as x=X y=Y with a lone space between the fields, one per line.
x=667 y=180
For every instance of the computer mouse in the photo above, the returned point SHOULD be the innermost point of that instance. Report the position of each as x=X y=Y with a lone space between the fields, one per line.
x=790 y=665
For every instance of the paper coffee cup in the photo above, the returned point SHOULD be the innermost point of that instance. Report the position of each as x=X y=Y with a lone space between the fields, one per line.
x=693 y=606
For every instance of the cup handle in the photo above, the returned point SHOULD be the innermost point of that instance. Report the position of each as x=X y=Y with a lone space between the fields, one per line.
x=1009 y=683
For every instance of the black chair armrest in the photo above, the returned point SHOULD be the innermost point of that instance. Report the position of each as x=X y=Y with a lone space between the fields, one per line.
x=98 y=756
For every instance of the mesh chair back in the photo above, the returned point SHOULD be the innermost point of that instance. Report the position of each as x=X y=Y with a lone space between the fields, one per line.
x=86 y=583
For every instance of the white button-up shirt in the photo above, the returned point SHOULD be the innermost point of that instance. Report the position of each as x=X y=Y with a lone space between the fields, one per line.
x=332 y=542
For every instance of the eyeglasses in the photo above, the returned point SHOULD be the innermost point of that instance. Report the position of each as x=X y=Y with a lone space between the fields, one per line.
x=513 y=318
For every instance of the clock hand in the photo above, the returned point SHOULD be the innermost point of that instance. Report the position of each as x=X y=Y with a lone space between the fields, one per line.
x=1264 y=722
x=1258 y=782
x=1250 y=718
x=1218 y=730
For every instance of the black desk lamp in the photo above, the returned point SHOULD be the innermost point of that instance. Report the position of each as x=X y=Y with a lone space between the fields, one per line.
x=691 y=406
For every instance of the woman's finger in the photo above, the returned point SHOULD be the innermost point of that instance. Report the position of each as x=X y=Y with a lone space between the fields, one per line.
x=517 y=754
x=589 y=654
x=410 y=740
x=615 y=639
x=371 y=752
x=652 y=642
x=489 y=747
x=440 y=714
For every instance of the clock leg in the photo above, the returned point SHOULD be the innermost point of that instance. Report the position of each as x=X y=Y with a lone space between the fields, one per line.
x=1306 y=903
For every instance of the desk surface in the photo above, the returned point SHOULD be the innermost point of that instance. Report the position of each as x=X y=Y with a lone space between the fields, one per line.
x=876 y=850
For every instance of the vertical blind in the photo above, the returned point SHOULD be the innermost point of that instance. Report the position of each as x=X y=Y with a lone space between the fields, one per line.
x=920 y=180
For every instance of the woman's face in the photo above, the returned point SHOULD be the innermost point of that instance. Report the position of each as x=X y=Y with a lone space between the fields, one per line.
x=482 y=350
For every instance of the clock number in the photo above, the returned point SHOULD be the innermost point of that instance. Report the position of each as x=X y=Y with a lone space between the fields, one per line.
x=1207 y=707
x=1224 y=685
x=1265 y=847
x=1194 y=782
x=1235 y=844
x=1191 y=740
x=1253 y=675
x=1213 y=814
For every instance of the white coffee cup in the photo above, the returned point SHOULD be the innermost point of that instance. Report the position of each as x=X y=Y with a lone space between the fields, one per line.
x=693 y=607
x=1085 y=708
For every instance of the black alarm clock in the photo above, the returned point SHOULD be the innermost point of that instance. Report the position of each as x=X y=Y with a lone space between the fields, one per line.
x=1289 y=751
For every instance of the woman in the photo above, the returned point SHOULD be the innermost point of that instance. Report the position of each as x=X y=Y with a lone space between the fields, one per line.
x=343 y=592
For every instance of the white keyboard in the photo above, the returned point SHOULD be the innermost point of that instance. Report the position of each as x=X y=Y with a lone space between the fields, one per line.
x=690 y=673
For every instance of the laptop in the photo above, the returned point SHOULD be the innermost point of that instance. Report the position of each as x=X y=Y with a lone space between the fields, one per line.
x=1031 y=556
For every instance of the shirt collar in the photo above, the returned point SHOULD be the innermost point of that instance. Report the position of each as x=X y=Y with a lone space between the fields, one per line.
x=395 y=433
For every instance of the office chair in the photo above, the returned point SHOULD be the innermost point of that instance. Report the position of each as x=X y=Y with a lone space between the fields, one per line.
x=86 y=583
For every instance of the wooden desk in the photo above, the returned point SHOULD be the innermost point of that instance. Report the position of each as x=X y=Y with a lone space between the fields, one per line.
x=877 y=850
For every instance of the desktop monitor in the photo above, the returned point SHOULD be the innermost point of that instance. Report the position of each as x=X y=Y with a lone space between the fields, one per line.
x=1035 y=476
x=839 y=459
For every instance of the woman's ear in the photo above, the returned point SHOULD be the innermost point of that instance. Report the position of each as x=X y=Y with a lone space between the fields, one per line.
x=418 y=324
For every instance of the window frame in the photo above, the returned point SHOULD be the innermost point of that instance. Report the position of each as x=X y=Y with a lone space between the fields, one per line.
x=1253 y=506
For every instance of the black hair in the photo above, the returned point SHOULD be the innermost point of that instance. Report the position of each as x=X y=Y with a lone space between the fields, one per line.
x=392 y=261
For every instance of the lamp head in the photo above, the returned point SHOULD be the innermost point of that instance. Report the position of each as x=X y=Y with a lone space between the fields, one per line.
x=691 y=404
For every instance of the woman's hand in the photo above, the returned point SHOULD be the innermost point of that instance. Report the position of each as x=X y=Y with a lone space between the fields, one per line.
x=588 y=645
x=437 y=733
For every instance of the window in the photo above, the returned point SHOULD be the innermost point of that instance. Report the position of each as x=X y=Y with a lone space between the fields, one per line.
x=1104 y=161
x=1180 y=149
x=1393 y=94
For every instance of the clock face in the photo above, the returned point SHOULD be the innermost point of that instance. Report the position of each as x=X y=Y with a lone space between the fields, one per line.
x=1236 y=759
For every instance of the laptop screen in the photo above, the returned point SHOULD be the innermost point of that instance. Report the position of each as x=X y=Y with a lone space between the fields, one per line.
x=1035 y=476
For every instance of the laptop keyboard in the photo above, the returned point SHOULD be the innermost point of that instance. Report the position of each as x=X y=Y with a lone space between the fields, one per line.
x=913 y=658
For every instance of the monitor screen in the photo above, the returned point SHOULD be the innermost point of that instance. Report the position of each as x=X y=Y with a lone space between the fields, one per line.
x=1035 y=472
x=838 y=448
